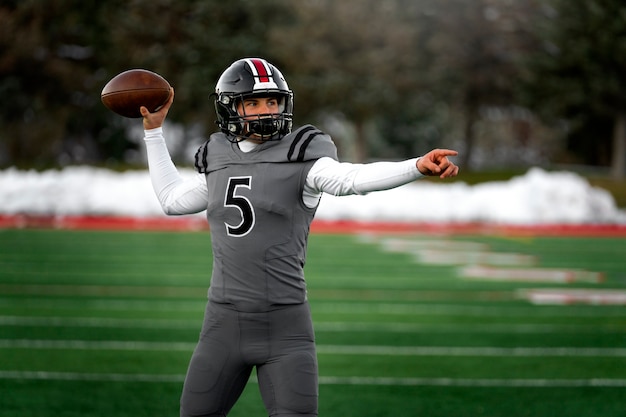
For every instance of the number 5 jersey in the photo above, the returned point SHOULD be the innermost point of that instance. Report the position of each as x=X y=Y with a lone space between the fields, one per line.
x=258 y=220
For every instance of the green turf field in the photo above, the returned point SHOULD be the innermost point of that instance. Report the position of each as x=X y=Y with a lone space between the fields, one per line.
x=103 y=324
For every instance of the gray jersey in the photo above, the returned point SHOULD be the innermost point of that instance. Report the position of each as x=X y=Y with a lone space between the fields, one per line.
x=258 y=221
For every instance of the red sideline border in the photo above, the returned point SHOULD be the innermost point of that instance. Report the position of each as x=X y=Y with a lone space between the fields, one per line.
x=191 y=223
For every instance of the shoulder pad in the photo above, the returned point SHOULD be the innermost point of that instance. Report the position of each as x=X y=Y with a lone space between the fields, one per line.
x=309 y=143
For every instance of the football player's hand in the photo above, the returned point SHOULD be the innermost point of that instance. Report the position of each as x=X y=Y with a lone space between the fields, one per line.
x=436 y=162
x=156 y=119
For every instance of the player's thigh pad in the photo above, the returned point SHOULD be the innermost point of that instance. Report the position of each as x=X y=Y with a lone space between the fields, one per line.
x=216 y=375
x=288 y=381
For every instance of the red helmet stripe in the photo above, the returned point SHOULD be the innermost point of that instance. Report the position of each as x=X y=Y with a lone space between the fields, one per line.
x=261 y=70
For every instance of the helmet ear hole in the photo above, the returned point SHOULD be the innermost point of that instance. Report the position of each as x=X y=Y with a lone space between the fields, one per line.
x=227 y=122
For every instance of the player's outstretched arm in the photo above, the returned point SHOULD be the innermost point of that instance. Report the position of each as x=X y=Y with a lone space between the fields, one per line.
x=436 y=162
x=156 y=119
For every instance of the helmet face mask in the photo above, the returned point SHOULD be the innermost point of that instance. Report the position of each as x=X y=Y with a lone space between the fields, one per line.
x=248 y=78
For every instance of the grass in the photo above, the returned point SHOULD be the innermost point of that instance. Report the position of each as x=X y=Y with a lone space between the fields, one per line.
x=103 y=323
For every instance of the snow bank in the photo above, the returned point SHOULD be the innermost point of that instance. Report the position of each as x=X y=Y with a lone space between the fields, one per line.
x=538 y=197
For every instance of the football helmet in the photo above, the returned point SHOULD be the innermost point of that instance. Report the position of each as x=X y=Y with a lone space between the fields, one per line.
x=246 y=78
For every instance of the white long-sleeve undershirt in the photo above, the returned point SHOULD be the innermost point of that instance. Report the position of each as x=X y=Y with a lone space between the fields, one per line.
x=179 y=195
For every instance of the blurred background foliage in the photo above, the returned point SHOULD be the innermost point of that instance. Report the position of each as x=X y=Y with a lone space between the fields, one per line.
x=509 y=83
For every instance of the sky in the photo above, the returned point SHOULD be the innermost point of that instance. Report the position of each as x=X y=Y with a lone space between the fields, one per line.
x=537 y=197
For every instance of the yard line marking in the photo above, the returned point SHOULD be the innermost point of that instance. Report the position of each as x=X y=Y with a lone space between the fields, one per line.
x=439 y=309
x=449 y=257
x=411 y=245
x=466 y=328
x=133 y=345
x=331 y=380
x=563 y=276
x=478 y=263
x=78 y=376
x=470 y=351
x=473 y=382
x=403 y=295
x=560 y=296
x=108 y=304
x=56 y=290
x=98 y=322
x=423 y=309
x=130 y=345
x=450 y=252
x=371 y=295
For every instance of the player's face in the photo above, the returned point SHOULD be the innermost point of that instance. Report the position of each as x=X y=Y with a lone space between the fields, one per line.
x=258 y=108
x=252 y=107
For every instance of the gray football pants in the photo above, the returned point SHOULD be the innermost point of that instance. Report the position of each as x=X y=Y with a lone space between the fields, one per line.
x=279 y=343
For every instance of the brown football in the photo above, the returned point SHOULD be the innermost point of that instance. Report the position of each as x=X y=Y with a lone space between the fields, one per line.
x=131 y=89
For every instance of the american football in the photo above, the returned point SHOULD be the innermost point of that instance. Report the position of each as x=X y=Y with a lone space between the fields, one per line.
x=131 y=89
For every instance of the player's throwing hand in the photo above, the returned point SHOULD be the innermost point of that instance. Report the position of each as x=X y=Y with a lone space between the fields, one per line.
x=154 y=120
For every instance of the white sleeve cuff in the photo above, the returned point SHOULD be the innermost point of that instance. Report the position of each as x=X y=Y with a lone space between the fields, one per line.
x=153 y=134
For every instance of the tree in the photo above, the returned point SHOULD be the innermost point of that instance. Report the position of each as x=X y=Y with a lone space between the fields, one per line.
x=417 y=69
x=579 y=75
x=348 y=57
x=57 y=55
x=48 y=73
x=475 y=50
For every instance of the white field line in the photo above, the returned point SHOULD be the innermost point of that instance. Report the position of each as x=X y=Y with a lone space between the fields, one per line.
x=514 y=328
x=476 y=262
x=122 y=345
x=79 y=376
x=574 y=296
x=474 y=382
x=424 y=309
x=455 y=257
x=450 y=252
x=470 y=351
x=411 y=245
x=58 y=290
x=108 y=304
x=96 y=322
x=331 y=380
x=358 y=308
x=326 y=349
x=561 y=276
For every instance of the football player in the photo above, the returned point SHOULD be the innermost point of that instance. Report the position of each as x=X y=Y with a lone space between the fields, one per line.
x=260 y=183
